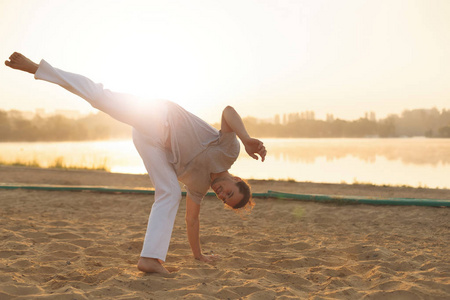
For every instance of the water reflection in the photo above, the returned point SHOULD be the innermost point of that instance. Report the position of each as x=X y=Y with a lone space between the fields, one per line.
x=408 y=151
x=414 y=162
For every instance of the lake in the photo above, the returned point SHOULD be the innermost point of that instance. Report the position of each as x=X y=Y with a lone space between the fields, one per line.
x=417 y=162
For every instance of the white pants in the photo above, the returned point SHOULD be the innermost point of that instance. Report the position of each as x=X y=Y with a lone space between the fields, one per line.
x=149 y=130
x=167 y=198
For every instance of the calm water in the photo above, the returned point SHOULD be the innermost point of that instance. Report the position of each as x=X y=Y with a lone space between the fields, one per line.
x=414 y=162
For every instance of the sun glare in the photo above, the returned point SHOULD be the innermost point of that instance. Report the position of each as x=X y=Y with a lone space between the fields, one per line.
x=156 y=71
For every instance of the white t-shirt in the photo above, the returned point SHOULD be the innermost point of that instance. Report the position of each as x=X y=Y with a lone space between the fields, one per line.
x=197 y=149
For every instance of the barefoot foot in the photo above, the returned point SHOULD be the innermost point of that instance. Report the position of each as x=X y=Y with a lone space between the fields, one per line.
x=151 y=265
x=20 y=62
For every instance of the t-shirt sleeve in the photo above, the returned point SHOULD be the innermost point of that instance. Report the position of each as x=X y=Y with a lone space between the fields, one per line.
x=197 y=197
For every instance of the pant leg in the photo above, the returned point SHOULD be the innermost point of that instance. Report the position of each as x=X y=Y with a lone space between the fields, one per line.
x=167 y=197
x=123 y=107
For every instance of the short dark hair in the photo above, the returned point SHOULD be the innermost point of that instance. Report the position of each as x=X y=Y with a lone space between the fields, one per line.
x=244 y=189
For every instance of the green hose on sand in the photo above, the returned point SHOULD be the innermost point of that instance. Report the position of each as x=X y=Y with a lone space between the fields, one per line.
x=269 y=194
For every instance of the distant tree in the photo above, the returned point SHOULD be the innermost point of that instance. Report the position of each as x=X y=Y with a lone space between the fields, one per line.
x=5 y=127
x=444 y=132
x=386 y=127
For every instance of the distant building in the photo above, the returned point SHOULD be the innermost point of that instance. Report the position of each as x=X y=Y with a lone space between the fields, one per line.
x=277 y=119
x=307 y=115
x=370 y=116
x=330 y=118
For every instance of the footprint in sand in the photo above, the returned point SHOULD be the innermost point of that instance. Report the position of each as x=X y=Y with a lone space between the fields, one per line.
x=65 y=236
x=81 y=242
x=300 y=263
x=59 y=256
x=61 y=246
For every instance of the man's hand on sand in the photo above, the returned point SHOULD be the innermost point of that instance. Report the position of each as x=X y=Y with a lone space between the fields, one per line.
x=208 y=258
x=20 y=62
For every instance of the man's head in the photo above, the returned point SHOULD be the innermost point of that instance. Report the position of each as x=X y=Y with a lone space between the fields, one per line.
x=233 y=191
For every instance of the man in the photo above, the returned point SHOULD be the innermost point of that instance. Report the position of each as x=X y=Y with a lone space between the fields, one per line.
x=174 y=145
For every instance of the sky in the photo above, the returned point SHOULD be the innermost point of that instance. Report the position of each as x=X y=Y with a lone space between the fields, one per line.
x=263 y=57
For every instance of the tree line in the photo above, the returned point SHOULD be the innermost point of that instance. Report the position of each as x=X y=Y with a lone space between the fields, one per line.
x=417 y=122
x=14 y=126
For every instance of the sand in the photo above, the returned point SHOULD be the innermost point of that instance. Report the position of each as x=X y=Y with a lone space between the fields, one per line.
x=84 y=245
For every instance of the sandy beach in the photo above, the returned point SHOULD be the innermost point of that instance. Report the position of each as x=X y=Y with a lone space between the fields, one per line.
x=85 y=245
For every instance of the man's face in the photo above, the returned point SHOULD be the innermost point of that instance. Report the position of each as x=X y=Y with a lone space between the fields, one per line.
x=226 y=190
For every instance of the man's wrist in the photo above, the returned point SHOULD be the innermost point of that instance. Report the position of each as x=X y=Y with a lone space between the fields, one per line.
x=245 y=138
x=34 y=68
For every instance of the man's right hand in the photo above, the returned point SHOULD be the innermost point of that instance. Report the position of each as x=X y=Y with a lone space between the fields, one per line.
x=208 y=258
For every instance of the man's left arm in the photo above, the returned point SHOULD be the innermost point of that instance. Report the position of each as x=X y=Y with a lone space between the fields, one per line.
x=232 y=122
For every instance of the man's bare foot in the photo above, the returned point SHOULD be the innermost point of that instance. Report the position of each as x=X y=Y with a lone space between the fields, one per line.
x=20 y=62
x=151 y=265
